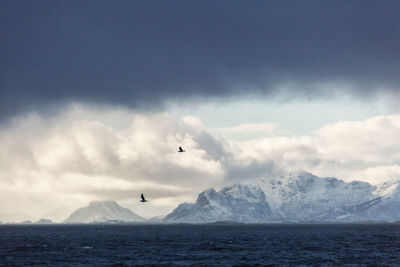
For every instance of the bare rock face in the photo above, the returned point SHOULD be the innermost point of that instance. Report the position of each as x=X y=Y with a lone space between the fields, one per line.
x=103 y=211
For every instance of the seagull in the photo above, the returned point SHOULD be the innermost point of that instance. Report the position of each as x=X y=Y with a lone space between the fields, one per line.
x=143 y=199
x=181 y=150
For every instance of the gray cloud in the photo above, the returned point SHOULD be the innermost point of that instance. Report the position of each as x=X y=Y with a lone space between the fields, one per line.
x=139 y=53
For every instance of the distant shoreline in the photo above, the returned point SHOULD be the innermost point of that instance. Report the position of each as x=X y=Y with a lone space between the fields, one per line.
x=201 y=224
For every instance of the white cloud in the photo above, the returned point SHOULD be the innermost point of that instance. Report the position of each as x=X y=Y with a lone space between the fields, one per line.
x=88 y=153
x=74 y=157
x=248 y=131
x=365 y=150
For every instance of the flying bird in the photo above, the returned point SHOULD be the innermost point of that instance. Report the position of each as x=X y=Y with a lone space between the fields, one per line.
x=181 y=150
x=143 y=199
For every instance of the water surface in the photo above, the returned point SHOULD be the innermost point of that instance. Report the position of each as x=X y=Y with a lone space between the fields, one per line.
x=125 y=245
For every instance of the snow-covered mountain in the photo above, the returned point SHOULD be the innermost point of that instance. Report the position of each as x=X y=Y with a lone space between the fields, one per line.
x=303 y=196
x=103 y=211
x=242 y=203
x=295 y=197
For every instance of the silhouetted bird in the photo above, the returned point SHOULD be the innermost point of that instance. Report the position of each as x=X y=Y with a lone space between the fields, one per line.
x=143 y=199
x=181 y=150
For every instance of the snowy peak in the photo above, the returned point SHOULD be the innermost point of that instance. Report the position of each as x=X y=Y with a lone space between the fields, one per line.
x=103 y=211
x=234 y=203
x=303 y=196
x=238 y=194
x=109 y=205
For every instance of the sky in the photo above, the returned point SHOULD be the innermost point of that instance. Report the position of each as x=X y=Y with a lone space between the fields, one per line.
x=96 y=97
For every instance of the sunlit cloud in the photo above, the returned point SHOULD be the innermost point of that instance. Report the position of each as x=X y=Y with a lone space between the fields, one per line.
x=79 y=155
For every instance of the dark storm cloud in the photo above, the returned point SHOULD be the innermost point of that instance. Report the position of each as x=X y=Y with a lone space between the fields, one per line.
x=141 y=52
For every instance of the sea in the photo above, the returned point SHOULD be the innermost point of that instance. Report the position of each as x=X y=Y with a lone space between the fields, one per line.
x=200 y=245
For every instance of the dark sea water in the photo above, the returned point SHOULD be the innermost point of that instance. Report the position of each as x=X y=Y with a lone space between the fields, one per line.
x=220 y=245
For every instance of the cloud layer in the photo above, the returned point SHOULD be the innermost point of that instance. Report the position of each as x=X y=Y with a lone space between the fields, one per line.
x=139 y=53
x=88 y=153
x=362 y=150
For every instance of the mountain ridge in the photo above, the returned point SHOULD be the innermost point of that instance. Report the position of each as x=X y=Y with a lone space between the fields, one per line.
x=294 y=198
